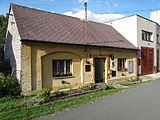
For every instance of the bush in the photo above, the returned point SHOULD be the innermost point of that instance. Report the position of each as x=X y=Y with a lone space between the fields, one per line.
x=90 y=86
x=9 y=86
x=5 y=67
x=43 y=94
x=33 y=101
x=59 y=93
x=103 y=86
x=138 y=79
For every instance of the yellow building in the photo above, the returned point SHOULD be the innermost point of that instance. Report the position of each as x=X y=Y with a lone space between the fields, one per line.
x=49 y=50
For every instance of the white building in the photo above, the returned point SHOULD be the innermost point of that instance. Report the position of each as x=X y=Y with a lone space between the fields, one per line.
x=144 y=34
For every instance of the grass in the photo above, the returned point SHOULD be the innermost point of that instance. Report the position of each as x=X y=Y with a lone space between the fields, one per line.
x=26 y=113
x=124 y=83
x=10 y=111
x=132 y=85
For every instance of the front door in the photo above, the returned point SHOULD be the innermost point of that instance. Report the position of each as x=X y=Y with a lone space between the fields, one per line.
x=99 y=64
x=147 y=61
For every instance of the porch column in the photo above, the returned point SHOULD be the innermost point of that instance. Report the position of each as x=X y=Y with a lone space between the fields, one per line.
x=26 y=82
x=106 y=69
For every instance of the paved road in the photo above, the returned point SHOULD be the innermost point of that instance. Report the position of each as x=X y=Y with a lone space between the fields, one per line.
x=138 y=103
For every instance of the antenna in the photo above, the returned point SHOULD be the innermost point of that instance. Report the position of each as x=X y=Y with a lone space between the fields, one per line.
x=85 y=5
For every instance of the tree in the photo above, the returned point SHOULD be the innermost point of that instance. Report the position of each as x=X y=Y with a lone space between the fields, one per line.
x=3 y=29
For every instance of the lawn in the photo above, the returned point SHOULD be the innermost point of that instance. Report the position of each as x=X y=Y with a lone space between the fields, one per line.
x=10 y=111
x=10 y=108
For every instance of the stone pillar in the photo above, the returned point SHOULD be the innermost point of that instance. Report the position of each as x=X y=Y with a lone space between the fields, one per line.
x=26 y=83
x=39 y=70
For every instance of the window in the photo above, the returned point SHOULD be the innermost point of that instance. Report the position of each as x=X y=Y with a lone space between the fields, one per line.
x=87 y=68
x=121 y=64
x=62 y=68
x=146 y=35
x=158 y=39
x=130 y=67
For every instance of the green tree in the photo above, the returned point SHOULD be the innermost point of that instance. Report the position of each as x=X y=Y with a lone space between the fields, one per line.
x=3 y=29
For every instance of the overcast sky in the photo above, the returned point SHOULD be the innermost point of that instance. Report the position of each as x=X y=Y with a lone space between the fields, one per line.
x=98 y=10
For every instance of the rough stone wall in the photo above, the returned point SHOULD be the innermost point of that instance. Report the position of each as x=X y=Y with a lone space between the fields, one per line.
x=13 y=47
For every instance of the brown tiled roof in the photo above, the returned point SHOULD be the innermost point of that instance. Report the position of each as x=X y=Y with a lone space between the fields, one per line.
x=38 y=25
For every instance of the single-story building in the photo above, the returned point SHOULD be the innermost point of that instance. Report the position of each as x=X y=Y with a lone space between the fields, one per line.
x=49 y=50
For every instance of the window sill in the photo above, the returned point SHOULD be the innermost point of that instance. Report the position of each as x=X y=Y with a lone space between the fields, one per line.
x=63 y=77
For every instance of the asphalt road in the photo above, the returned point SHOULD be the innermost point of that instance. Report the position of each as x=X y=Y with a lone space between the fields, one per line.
x=138 y=103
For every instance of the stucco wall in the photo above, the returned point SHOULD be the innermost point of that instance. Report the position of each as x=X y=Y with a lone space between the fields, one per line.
x=155 y=16
x=127 y=27
x=149 y=26
x=13 y=46
x=38 y=62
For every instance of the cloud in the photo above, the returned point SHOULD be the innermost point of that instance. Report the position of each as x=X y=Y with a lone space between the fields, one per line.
x=94 y=16
x=51 y=0
x=52 y=11
x=83 y=1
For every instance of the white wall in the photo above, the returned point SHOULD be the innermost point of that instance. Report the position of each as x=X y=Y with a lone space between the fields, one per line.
x=127 y=27
x=155 y=16
x=12 y=49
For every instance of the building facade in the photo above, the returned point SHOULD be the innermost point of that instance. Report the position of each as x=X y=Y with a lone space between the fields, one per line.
x=144 y=34
x=48 y=50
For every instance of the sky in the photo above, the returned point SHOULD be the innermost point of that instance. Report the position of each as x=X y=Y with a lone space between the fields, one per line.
x=98 y=10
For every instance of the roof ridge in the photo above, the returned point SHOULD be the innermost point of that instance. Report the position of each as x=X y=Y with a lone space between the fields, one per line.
x=42 y=10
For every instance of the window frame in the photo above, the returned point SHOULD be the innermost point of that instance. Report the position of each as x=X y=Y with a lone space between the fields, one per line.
x=123 y=65
x=146 y=36
x=56 y=73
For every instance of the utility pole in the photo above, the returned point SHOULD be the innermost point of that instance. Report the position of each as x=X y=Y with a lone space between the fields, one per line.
x=86 y=30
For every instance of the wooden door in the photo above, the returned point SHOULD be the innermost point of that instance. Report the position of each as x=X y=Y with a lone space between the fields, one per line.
x=99 y=64
x=147 y=61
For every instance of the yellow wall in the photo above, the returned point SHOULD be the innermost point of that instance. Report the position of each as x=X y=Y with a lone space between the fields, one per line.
x=39 y=56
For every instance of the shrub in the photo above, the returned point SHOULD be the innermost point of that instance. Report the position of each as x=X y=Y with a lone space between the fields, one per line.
x=41 y=97
x=90 y=86
x=103 y=86
x=43 y=94
x=9 y=86
x=59 y=93
x=5 y=67
x=110 y=87
x=138 y=79
x=33 y=101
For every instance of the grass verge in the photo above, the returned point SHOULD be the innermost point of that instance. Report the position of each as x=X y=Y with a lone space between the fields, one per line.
x=26 y=113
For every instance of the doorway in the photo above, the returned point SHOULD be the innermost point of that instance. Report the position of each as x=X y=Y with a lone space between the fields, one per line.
x=147 y=61
x=99 y=64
